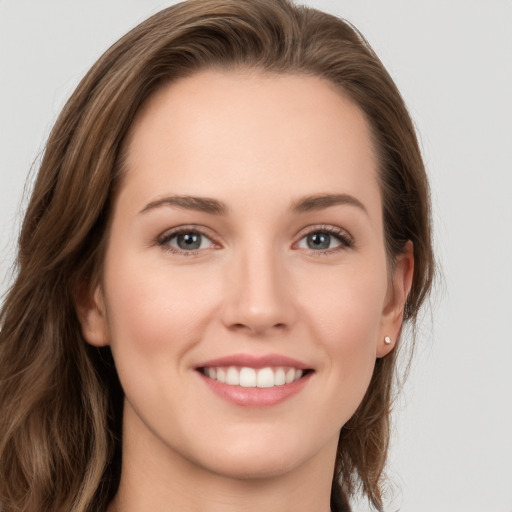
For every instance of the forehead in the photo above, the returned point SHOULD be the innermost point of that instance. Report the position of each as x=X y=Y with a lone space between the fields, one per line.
x=244 y=132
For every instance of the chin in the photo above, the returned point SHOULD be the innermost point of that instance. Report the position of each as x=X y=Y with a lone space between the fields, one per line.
x=260 y=467
x=249 y=459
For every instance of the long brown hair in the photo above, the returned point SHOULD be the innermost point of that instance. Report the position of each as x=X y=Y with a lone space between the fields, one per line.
x=60 y=399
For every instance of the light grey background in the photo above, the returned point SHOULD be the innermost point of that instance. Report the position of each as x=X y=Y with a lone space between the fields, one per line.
x=452 y=61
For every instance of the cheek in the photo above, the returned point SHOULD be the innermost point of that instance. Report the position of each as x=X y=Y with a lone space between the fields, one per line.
x=156 y=311
x=345 y=321
x=347 y=307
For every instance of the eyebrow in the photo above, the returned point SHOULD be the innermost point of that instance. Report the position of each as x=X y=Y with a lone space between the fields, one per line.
x=201 y=204
x=322 y=201
x=216 y=207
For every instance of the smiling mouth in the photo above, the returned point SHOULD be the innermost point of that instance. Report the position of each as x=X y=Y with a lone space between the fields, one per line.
x=247 y=377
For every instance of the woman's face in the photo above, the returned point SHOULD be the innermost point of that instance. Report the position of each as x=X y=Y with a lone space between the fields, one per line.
x=246 y=292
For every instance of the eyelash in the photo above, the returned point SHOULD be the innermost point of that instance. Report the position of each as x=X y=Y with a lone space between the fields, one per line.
x=164 y=239
x=342 y=236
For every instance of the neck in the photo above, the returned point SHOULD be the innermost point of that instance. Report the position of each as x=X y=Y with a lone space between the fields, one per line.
x=161 y=480
x=220 y=495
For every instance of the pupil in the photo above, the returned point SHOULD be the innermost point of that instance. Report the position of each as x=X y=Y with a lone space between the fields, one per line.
x=319 y=241
x=189 y=241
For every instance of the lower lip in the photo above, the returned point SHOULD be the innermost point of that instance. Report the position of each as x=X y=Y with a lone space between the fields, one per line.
x=256 y=397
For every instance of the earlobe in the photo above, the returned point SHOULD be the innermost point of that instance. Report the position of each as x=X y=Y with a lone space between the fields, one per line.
x=90 y=308
x=400 y=285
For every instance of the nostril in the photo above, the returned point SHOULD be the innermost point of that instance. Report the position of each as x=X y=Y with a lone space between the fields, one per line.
x=257 y=328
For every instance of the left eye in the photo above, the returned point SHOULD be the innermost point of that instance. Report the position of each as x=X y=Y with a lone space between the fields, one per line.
x=187 y=241
x=320 y=241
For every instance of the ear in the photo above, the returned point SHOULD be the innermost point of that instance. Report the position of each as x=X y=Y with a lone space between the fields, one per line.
x=91 y=312
x=392 y=315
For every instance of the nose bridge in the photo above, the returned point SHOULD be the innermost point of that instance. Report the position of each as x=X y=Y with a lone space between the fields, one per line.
x=259 y=295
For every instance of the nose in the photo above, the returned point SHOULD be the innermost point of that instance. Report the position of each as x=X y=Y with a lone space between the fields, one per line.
x=258 y=296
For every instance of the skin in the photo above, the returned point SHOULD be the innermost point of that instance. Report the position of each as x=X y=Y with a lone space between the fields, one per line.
x=259 y=144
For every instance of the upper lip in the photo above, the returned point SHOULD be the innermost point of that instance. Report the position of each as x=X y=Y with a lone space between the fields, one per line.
x=250 y=361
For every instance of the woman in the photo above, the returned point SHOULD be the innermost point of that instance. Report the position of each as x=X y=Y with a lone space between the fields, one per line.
x=229 y=228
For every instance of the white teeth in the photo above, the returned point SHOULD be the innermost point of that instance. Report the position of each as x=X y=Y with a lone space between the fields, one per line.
x=279 y=377
x=251 y=378
x=265 y=378
x=248 y=377
x=221 y=375
x=233 y=376
x=290 y=375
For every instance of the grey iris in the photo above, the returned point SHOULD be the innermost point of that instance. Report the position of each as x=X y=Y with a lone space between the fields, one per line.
x=319 y=241
x=189 y=241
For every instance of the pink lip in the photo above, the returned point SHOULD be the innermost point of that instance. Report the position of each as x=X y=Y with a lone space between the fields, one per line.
x=240 y=360
x=255 y=397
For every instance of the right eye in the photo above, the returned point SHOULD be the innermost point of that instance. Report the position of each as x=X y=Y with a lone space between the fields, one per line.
x=319 y=241
x=325 y=240
x=185 y=241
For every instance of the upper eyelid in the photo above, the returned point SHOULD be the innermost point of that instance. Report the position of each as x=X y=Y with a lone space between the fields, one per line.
x=202 y=230
x=329 y=228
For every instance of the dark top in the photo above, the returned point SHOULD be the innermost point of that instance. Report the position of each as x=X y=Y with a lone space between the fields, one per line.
x=339 y=502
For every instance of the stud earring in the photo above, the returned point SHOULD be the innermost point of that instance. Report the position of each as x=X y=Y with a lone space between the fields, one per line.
x=387 y=340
